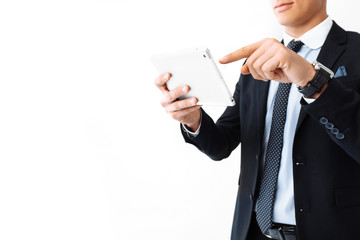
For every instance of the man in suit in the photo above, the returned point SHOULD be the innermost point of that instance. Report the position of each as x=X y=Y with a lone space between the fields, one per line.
x=299 y=128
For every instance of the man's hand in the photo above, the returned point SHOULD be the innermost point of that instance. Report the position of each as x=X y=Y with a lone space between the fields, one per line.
x=271 y=60
x=185 y=111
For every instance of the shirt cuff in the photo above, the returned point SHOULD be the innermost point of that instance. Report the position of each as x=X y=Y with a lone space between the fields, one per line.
x=309 y=100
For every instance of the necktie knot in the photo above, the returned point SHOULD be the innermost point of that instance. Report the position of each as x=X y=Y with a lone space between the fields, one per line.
x=295 y=45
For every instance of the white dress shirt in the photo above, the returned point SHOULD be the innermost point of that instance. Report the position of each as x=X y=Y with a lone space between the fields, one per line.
x=284 y=208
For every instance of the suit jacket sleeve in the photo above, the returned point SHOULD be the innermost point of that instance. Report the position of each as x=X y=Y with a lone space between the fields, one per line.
x=339 y=105
x=218 y=140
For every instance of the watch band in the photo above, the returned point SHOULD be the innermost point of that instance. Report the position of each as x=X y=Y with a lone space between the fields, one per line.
x=322 y=76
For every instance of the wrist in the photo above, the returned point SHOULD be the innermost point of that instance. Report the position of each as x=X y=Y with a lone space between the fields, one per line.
x=317 y=85
x=316 y=95
x=193 y=126
x=310 y=76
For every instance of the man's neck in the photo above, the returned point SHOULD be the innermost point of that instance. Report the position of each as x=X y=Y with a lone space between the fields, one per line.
x=299 y=30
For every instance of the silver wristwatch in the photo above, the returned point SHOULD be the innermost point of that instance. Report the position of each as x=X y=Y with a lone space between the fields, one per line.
x=322 y=76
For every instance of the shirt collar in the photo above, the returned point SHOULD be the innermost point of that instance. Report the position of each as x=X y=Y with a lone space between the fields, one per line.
x=315 y=37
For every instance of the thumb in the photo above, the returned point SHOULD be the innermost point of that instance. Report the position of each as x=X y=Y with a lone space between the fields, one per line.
x=245 y=69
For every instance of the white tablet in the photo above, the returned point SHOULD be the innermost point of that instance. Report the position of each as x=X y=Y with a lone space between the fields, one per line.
x=197 y=69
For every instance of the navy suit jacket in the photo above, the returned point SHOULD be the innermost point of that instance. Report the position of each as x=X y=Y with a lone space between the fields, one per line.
x=326 y=157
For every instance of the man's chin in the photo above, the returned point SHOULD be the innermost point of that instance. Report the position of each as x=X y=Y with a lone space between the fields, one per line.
x=284 y=20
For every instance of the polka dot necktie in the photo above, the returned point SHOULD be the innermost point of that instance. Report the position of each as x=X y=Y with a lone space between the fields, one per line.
x=265 y=202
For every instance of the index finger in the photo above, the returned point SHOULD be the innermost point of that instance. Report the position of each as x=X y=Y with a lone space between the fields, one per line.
x=161 y=80
x=244 y=52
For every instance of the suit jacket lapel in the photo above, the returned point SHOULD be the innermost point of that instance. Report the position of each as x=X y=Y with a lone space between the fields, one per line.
x=330 y=52
x=333 y=47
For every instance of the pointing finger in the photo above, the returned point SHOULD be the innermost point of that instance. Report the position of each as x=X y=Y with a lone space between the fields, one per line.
x=244 y=52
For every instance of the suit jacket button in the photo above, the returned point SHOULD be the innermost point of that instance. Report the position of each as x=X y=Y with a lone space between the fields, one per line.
x=329 y=125
x=324 y=120
x=340 y=136
x=334 y=131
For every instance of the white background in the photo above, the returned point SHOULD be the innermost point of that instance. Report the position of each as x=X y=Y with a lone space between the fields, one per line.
x=86 y=151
